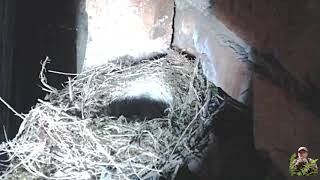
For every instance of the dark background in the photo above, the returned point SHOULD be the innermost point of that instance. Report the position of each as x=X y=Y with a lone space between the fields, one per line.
x=30 y=31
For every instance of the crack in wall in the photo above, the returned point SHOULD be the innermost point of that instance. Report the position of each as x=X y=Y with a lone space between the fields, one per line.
x=269 y=67
x=173 y=24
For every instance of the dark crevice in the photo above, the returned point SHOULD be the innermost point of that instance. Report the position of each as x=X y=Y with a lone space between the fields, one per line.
x=233 y=145
x=173 y=24
x=42 y=28
x=7 y=43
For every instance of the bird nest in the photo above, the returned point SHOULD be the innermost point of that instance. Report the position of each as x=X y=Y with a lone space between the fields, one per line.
x=69 y=135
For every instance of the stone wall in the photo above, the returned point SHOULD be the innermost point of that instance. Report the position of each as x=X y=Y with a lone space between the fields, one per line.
x=199 y=32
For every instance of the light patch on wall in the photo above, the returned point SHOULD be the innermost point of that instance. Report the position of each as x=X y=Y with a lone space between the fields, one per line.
x=119 y=28
x=146 y=86
x=201 y=5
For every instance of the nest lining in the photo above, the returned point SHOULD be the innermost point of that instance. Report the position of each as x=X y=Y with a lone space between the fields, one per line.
x=69 y=135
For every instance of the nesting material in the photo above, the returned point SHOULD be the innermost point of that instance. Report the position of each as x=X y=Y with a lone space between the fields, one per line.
x=69 y=135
